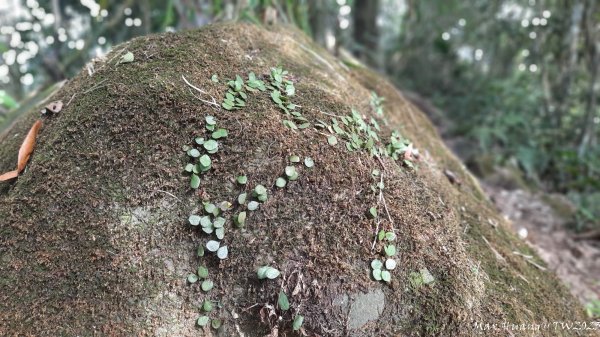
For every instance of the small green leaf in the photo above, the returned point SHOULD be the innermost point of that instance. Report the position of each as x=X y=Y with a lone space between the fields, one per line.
x=209 y=208
x=289 y=171
x=197 y=169
x=210 y=145
x=426 y=276
x=216 y=323
x=220 y=133
x=308 y=162
x=373 y=212
x=376 y=264
x=205 y=221
x=253 y=206
x=260 y=190
x=280 y=182
x=386 y=276
x=219 y=222
x=189 y=168
x=220 y=233
x=262 y=198
x=272 y=273
x=290 y=124
x=294 y=176
x=390 y=264
x=390 y=250
x=202 y=272
x=205 y=162
x=207 y=306
x=377 y=274
x=282 y=301
x=262 y=272
x=195 y=181
x=194 y=220
x=127 y=58
x=381 y=235
x=207 y=285
x=193 y=153
x=212 y=245
x=298 y=320
x=290 y=90
x=294 y=159
x=276 y=96
x=202 y=320
x=222 y=252
x=215 y=78
x=241 y=219
x=332 y=140
x=192 y=278
x=390 y=236
x=242 y=180
x=242 y=198
x=200 y=251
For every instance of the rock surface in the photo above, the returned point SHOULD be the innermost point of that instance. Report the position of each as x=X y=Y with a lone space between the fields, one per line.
x=95 y=238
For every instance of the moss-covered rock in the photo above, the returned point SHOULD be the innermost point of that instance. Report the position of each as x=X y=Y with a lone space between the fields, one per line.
x=95 y=239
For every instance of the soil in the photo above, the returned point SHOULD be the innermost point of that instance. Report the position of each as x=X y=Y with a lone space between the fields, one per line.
x=94 y=238
x=543 y=219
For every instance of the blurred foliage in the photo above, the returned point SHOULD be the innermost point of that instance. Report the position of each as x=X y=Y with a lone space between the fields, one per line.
x=593 y=309
x=517 y=79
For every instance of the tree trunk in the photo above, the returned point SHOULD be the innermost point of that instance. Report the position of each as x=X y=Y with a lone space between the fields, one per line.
x=366 y=33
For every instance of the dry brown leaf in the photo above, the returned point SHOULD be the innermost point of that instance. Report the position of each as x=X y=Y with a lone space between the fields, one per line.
x=28 y=146
x=9 y=175
x=24 y=152
x=53 y=107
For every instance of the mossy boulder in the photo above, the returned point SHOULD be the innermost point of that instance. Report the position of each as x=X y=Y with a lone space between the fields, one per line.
x=95 y=237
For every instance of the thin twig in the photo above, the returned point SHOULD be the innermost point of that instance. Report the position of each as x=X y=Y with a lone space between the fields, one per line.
x=214 y=101
x=536 y=265
x=330 y=114
x=69 y=102
x=498 y=255
x=385 y=203
x=378 y=221
x=191 y=85
x=170 y=194
x=529 y=258
x=523 y=255
x=95 y=87
x=382 y=199
x=205 y=101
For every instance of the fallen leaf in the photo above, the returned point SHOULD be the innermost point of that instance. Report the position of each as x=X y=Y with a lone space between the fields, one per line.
x=452 y=177
x=28 y=146
x=411 y=153
x=9 y=175
x=53 y=107
x=24 y=152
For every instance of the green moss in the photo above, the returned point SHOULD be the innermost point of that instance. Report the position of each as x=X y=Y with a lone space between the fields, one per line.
x=111 y=152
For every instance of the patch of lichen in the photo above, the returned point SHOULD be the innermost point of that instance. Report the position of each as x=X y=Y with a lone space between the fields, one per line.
x=115 y=150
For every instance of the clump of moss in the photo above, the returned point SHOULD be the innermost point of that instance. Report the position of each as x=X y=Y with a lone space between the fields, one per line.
x=117 y=150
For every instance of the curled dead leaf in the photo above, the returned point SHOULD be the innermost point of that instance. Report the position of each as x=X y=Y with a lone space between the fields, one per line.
x=452 y=177
x=24 y=152
x=411 y=153
x=53 y=107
